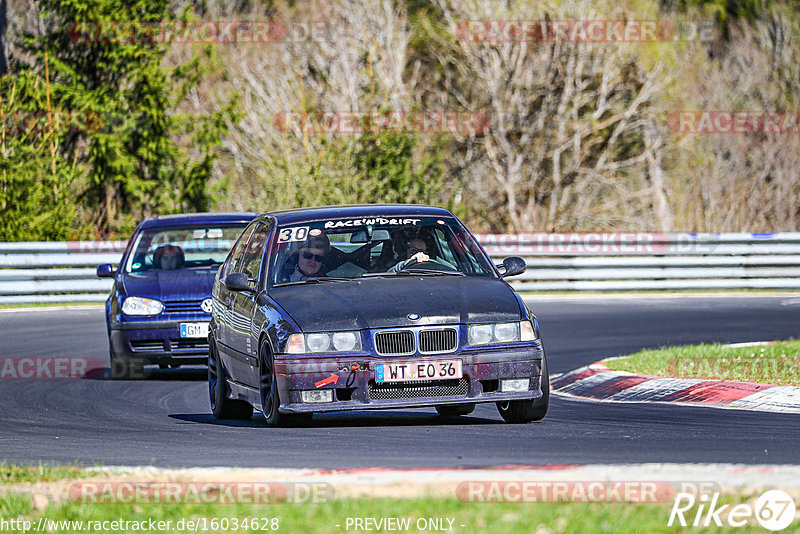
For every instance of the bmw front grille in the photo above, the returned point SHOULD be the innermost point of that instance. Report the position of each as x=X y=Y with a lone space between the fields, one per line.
x=426 y=340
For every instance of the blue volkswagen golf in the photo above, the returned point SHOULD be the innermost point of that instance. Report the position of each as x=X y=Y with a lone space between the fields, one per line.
x=160 y=305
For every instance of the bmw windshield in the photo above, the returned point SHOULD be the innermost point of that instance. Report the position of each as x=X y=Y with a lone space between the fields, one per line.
x=345 y=249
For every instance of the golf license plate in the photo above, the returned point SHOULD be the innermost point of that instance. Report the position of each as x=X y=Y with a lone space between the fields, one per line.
x=194 y=329
x=418 y=370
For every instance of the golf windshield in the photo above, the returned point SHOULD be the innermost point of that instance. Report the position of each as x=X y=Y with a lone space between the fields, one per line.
x=375 y=246
x=182 y=248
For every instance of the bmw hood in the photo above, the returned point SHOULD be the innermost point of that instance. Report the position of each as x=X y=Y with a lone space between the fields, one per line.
x=180 y=284
x=387 y=302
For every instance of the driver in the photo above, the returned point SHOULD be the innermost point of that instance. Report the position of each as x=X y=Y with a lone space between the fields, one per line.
x=168 y=257
x=416 y=250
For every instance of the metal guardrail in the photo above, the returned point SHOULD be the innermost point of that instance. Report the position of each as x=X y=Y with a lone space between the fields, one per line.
x=65 y=271
x=646 y=261
x=34 y=272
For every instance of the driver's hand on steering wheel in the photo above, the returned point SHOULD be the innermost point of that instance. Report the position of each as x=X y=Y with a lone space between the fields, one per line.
x=419 y=257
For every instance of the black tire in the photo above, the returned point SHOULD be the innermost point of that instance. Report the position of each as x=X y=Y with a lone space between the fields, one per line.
x=453 y=410
x=270 y=396
x=221 y=406
x=126 y=368
x=525 y=411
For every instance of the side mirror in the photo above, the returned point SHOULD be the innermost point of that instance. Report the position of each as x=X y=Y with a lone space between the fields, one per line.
x=513 y=266
x=105 y=271
x=238 y=282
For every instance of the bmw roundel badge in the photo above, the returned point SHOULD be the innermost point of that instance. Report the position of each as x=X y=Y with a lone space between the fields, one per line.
x=413 y=316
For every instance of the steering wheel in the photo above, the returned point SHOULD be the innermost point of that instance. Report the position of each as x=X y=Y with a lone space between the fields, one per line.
x=423 y=265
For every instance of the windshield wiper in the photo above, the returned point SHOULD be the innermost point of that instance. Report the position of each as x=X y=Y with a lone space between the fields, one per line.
x=414 y=272
x=205 y=263
x=313 y=281
x=433 y=272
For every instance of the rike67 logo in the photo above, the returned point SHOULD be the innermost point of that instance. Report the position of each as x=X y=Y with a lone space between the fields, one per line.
x=774 y=510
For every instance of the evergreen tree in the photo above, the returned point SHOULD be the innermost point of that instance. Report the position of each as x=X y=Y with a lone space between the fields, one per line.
x=138 y=155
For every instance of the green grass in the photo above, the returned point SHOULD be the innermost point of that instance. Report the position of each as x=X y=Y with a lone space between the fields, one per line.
x=324 y=517
x=769 y=364
x=15 y=474
x=331 y=515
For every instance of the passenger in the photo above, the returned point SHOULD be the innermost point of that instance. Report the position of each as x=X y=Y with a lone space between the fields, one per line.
x=308 y=262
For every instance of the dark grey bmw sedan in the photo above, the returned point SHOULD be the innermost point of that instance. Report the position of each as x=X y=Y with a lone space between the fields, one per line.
x=370 y=307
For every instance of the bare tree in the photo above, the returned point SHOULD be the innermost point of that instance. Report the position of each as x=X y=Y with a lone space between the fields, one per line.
x=337 y=56
x=565 y=118
x=745 y=181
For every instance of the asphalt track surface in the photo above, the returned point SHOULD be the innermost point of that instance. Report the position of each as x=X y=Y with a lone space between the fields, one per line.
x=166 y=421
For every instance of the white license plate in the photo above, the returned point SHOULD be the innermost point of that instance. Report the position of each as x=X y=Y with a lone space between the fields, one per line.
x=418 y=370
x=194 y=329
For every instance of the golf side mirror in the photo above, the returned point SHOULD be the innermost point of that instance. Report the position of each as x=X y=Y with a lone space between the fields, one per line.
x=105 y=271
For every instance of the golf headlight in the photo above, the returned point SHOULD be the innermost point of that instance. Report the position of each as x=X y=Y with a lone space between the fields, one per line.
x=324 y=342
x=141 y=306
x=482 y=334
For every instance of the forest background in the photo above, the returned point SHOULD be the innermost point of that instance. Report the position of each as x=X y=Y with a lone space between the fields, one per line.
x=99 y=130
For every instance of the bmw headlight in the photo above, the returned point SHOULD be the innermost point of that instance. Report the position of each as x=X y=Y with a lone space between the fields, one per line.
x=318 y=342
x=141 y=306
x=324 y=342
x=346 y=341
x=483 y=334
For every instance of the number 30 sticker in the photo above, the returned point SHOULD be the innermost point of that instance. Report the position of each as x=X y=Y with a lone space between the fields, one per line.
x=288 y=235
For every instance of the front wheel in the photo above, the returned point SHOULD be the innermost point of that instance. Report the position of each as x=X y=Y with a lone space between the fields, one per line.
x=270 y=398
x=221 y=405
x=525 y=411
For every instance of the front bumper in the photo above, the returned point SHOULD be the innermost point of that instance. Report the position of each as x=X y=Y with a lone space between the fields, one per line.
x=357 y=390
x=158 y=342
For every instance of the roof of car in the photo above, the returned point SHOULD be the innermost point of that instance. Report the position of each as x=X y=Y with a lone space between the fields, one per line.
x=355 y=211
x=197 y=218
